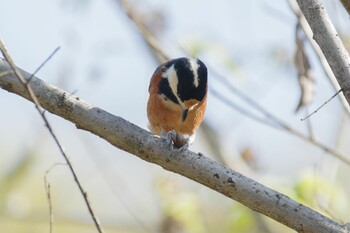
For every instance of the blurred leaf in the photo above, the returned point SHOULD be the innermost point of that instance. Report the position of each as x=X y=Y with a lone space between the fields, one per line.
x=249 y=157
x=302 y=64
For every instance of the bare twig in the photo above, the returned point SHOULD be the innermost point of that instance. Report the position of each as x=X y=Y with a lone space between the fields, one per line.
x=309 y=127
x=33 y=97
x=48 y=193
x=44 y=62
x=317 y=109
x=137 y=141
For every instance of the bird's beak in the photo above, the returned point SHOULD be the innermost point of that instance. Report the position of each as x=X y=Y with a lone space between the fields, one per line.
x=184 y=114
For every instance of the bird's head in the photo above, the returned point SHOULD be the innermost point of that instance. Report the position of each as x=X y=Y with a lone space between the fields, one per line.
x=184 y=82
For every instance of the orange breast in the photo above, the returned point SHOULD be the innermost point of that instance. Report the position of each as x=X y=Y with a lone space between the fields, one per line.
x=165 y=116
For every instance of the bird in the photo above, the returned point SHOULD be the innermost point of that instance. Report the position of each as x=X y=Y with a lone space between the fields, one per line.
x=177 y=100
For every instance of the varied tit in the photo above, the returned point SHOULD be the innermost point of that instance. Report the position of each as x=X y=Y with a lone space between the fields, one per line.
x=177 y=100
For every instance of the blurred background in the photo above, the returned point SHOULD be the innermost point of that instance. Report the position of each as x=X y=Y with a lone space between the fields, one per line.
x=264 y=76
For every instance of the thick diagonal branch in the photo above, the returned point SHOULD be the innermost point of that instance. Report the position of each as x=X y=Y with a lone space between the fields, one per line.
x=139 y=142
x=328 y=39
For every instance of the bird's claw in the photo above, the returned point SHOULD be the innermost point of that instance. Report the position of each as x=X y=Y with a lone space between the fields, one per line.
x=176 y=141
x=169 y=137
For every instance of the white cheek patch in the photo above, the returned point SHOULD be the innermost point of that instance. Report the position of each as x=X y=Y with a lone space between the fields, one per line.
x=194 y=67
x=173 y=80
x=171 y=75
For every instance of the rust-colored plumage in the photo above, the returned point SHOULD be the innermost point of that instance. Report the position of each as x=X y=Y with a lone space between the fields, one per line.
x=166 y=115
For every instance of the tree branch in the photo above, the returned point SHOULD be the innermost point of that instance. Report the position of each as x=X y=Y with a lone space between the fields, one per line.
x=328 y=39
x=327 y=69
x=139 y=142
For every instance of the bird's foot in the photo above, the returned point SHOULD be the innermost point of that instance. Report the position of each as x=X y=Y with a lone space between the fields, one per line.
x=181 y=143
x=176 y=141
x=170 y=137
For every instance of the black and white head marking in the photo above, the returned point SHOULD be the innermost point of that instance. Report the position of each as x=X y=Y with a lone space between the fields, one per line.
x=184 y=79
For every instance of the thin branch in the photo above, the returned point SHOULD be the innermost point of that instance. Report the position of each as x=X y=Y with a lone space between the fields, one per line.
x=317 y=109
x=48 y=193
x=26 y=83
x=44 y=62
x=310 y=128
x=130 y=138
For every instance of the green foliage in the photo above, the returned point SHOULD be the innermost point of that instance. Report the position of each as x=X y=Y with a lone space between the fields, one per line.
x=322 y=194
x=240 y=219
x=14 y=176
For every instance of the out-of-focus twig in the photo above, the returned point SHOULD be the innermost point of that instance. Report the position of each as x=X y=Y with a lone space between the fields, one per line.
x=326 y=102
x=27 y=85
x=48 y=195
x=151 y=41
x=44 y=62
x=48 y=192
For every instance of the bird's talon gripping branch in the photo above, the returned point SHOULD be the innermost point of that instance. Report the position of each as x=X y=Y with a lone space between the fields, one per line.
x=176 y=141
x=169 y=137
